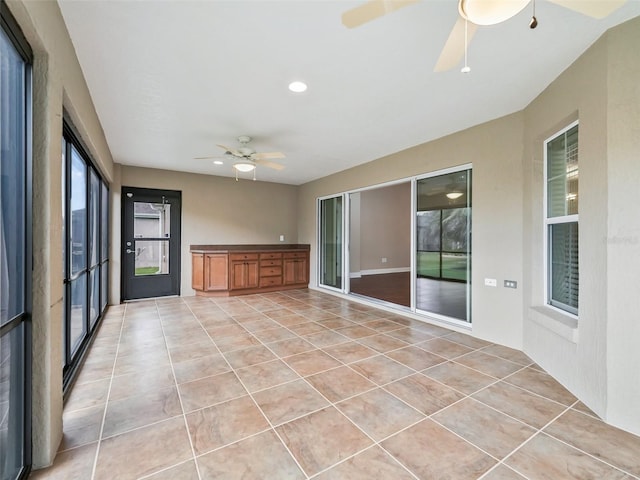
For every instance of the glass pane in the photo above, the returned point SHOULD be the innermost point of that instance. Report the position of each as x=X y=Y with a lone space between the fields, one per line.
x=78 y=237
x=65 y=273
x=563 y=263
x=12 y=171
x=94 y=296
x=151 y=257
x=562 y=174
x=104 y=213
x=151 y=220
x=94 y=233
x=331 y=242
x=428 y=264
x=12 y=434
x=443 y=243
x=104 y=269
x=78 y=311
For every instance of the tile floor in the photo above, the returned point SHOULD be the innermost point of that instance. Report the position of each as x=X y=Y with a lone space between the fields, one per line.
x=302 y=385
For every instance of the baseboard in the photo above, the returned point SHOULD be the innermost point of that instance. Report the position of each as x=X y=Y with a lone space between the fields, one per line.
x=382 y=271
x=355 y=274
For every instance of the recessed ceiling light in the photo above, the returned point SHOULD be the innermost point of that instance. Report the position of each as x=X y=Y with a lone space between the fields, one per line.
x=218 y=162
x=298 y=87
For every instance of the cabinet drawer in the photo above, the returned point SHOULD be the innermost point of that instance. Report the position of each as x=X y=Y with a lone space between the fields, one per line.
x=295 y=255
x=268 y=255
x=243 y=256
x=270 y=263
x=270 y=271
x=270 y=281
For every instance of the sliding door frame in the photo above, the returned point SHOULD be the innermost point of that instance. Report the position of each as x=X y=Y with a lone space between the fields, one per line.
x=444 y=318
x=346 y=213
x=343 y=238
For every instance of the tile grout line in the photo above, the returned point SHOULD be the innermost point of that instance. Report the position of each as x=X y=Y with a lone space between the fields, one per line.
x=106 y=403
x=271 y=427
x=175 y=380
x=333 y=404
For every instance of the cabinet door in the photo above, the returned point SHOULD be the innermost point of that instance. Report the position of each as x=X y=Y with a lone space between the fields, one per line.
x=244 y=275
x=197 y=271
x=215 y=272
x=295 y=271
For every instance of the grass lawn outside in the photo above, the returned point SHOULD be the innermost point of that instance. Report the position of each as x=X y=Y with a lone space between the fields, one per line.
x=147 y=270
x=454 y=266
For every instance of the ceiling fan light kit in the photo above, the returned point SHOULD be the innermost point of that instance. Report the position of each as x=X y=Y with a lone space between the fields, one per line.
x=490 y=12
x=246 y=159
x=244 y=166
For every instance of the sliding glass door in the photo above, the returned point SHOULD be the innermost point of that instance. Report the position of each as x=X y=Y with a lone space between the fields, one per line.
x=15 y=250
x=443 y=245
x=330 y=242
x=85 y=242
x=406 y=243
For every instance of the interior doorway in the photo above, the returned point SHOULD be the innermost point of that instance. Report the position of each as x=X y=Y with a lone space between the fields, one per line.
x=380 y=243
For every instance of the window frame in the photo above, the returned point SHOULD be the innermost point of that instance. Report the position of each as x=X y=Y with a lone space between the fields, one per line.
x=24 y=319
x=73 y=353
x=548 y=222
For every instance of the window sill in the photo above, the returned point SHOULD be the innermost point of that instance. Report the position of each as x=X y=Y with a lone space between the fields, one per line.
x=557 y=322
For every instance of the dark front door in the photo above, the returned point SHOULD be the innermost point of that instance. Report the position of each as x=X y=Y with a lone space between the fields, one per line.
x=150 y=243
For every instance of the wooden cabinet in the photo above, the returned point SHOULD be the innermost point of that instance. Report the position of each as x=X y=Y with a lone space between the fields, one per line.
x=234 y=270
x=244 y=271
x=209 y=272
x=270 y=269
x=215 y=272
x=295 y=268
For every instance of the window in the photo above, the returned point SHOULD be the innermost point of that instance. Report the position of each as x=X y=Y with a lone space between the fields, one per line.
x=15 y=249
x=85 y=236
x=561 y=219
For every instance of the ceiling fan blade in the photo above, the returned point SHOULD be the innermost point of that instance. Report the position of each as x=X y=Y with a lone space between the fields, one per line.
x=267 y=156
x=230 y=150
x=208 y=157
x=372 y=10
x=274 y=165
x=453 y=49
x=591 y=8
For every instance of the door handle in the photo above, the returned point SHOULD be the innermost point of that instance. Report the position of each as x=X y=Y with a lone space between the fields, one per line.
x=128 y=250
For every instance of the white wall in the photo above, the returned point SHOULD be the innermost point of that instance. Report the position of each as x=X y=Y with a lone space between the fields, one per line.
x=495 y=149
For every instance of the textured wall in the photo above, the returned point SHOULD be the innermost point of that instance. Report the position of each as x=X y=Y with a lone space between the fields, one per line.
x=219 y=210
x=57 y=82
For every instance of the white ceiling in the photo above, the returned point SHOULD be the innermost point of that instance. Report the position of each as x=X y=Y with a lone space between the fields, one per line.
x=170 y=79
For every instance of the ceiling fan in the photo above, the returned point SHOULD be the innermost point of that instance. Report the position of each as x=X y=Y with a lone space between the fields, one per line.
x=246 y=159
x=473 y=13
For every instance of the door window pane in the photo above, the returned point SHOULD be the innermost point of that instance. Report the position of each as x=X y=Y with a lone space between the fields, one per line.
x=151 y=257
x=94 y=296
x=104 y=285
x=77 y=324
x=151 y=220
x=331 y=242
x=15 y=251
x=78 y=236
x=443 y=242
x=12 y=171
x=94 y=218
x=11 y=402
x=104 y=220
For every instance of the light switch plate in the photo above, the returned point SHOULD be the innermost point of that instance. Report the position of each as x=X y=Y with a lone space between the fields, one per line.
x=490 y=282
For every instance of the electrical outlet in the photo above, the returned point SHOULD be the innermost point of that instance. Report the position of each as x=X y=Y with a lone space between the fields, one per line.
x=490 y=282
x=282 y=238
x=384 y=259
x=510 y=284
